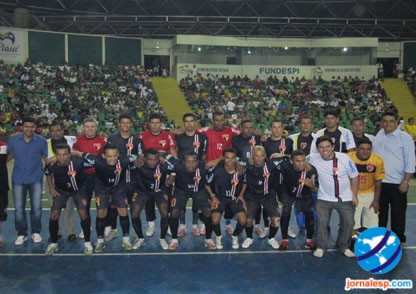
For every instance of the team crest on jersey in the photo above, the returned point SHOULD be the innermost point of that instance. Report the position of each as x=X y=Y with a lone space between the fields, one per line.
x=196 y=145
x=118 y=170
x=226 y=137
x=282 y=148
x=266 y=175
x=252 y=142
x=157 y=175
x=335 y=170
x=303 y=145
x=301 y=182
x=97 y=146
x=234 y=182
x=72 y=173
x=333 y=140
x=370 y=168
x=197 y=178
x=162 y=143
x=129 y=146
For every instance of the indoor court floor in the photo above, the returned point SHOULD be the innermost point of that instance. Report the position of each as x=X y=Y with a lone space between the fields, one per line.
x=191 y=269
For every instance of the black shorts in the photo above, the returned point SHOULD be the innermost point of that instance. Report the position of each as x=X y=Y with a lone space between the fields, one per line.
x=90 y=180
x=268 y=202
x=4 y=202
x=80 y=199
x=180 y=198
x=115 y=196
x=234 y=206
x=131 y=189
x=140 y=198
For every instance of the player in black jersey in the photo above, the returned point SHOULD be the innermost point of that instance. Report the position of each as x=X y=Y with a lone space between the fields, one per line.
x=277 y=145
x=298 y=184
x=190 y=183
x=110 y=189
x=244 y=144
x=127 y=144
x=151 y=178
x=303 y=140
x=262 y=175
x=191 y=141
x=65 y=179
x=226 y=186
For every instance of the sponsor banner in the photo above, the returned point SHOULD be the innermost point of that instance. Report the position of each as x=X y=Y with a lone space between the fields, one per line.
x=12 y=47
x=326 y=72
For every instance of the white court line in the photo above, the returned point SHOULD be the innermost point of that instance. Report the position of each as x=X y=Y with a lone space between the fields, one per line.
x=168 y=253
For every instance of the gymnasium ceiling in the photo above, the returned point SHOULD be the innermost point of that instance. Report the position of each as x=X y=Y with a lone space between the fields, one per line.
x=389 y=20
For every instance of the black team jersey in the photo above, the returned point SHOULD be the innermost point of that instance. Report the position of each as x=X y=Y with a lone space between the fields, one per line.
x=68 y=178
x=336 y=138
x=303 y=143
x=262 y=180
x=282 y=146
x=110 y=175
x=153 y=179
x=224 y=184
x=128 y=146
x=190 y=181
x=293 y=181
x=196 y=143
x=244 y=145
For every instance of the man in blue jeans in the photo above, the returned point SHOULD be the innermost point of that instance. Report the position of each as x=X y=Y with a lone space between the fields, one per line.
x=27 y=149
x=338 y=188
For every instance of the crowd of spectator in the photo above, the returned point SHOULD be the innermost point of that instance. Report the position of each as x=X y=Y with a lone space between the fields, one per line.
x=285 y=99
x=410 y=78
x=71 y=93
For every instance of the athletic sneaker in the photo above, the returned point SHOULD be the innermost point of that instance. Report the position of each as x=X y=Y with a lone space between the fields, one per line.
x=195 y=231
x=150 y=231
x=230 y=229
x=349 y=253
x=181 y=230
x=284 y=244
x=52 y=248
x=127 y=245
x=210 y=244
x=2 y=242
x=139 y=243
x=318 y=253
x=173 y=244
x=20 y=240
x=264 y=233
x=247 y=243
x=218 y=242
x=235 y=244
x=164 y=244
x=202 y=230
x=309 y=244
x=36 y=238
x=88 y=248
x=291 y=234
x=81 y=235
x=273 y=242
x=99 y=248
x=111 y=235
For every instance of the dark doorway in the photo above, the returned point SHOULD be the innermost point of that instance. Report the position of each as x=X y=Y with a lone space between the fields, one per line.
x=157 y=63
x=389 y=66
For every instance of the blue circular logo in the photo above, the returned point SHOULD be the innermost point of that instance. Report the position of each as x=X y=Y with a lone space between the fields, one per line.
x=378 y=250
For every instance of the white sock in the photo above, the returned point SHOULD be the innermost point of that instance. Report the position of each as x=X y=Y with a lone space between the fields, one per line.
x=151 y=224
x=126 y=239
x=87 y=243
x=100 y=240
